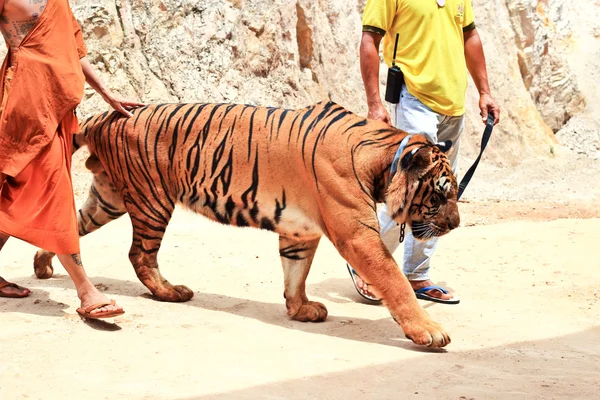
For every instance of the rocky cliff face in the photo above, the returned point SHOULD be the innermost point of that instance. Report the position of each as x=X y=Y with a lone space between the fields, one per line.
x=279 y=53
x=293 y=53
x=541 y=35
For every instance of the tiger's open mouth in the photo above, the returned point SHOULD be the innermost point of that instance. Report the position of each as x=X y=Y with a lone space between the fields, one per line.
x=426 y=231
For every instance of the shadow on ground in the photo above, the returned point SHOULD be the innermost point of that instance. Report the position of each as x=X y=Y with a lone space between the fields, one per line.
x=380 y=331
x=524 y=370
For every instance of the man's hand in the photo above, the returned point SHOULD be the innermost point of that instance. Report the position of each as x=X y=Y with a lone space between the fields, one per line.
x=487 y=104
x=369 y=69
x=122 y=105
x=379 y=112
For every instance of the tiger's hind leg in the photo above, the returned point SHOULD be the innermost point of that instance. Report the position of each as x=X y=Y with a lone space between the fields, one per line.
x=148 y=231
x=296 y=259
x=104 y=204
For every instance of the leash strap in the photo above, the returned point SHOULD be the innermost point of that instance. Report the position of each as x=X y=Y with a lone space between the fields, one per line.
x=396 y=161
x=487 y=134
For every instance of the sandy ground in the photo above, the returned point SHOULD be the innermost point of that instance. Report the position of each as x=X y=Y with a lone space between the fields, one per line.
x=524 y=264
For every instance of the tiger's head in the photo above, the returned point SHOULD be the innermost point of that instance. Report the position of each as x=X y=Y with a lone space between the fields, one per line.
x=423 y=189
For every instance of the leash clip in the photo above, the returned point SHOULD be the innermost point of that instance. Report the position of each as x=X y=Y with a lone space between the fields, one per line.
x=402 y=231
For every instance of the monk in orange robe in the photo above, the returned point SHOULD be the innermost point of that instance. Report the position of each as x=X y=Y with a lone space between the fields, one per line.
x=42 y=83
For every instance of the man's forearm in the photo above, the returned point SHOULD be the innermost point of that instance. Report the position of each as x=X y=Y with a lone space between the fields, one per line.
x=93 y=79
x=369 y=68
x=476 y=61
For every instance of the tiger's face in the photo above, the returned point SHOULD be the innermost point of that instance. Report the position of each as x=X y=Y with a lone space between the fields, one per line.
x=423 y=192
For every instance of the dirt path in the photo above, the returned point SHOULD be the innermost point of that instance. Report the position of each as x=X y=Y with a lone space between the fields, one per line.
x=527 y=325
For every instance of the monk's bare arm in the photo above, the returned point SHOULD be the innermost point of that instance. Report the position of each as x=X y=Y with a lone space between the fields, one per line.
x=96 y=83
x=93 y=79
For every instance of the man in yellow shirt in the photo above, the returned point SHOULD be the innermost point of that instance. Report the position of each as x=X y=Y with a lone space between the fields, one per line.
x=437 y=44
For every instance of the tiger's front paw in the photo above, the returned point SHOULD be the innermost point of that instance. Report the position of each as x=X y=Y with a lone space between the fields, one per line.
x=174 y=294
x=185 y=293
x=42 y=264
x=311 y=312
x=426 y=332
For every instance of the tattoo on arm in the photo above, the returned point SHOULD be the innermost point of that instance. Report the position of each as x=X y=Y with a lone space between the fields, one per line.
x=77 y=259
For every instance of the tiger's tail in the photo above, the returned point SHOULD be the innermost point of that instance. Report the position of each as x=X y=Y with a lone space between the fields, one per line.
x=79 y=139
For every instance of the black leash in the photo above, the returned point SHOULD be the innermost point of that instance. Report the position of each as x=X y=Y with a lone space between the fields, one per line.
x=487 y=134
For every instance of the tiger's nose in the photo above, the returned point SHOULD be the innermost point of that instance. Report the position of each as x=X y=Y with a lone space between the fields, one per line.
x=453 y=222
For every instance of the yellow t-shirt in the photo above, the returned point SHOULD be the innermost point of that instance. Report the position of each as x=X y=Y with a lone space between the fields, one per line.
x=430 y=47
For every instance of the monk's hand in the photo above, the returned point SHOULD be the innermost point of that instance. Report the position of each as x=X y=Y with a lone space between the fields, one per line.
x=122 y=105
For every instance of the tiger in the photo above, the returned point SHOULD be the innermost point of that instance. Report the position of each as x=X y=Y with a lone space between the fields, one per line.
x=301 y=173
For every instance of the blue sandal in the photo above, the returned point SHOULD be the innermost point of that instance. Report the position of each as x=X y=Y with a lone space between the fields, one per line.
x=420 y=293
x=353 y=274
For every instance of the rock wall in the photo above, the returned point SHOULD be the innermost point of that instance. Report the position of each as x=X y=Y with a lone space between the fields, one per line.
x=279 y=53
x=293 y=53
x=542 y=33
x=581 y=134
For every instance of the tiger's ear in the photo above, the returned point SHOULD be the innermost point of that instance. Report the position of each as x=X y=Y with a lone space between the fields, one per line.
x=93 y=164
x=415 y=160
x=444 y=146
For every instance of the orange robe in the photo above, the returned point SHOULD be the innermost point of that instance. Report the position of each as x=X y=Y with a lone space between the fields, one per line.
x=43 y=84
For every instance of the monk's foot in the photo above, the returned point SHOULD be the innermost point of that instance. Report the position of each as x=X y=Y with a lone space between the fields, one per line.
x=436 y=293
x=12 y=290
x=90 y=296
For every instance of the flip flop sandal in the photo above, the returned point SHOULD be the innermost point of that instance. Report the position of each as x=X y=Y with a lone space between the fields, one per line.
x=86 y=313
x=6 y=284
x=353 y=274
x=421 y=294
